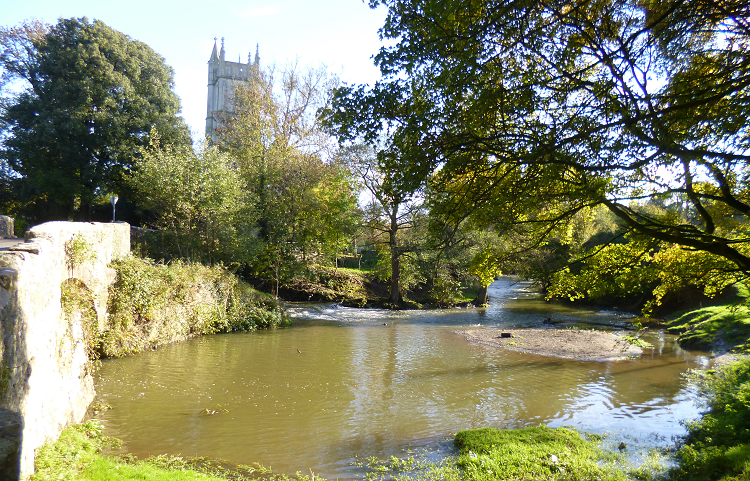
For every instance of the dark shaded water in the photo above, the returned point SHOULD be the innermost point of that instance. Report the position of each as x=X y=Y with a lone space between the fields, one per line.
x=346 y=382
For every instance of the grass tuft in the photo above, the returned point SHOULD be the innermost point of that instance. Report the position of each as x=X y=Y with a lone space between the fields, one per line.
x=532 y=453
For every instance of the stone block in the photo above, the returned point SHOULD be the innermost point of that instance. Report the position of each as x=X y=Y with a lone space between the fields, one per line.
x=6 y=227
x=11 y=431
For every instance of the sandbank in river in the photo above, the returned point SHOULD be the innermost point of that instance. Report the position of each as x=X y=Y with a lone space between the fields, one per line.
x=577 y=344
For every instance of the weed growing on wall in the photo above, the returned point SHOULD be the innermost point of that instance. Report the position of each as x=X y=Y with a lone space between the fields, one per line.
x=78 y=251
x=152 y=304
x=78 y=305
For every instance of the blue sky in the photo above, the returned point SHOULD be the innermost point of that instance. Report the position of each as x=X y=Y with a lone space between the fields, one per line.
x=339 y=33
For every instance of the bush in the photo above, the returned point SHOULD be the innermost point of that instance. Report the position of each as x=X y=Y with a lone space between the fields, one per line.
x=718 y=444
x=152 y=304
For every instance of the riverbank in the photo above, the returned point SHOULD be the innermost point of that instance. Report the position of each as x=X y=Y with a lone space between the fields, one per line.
x=153 y=304
x=720 y=328
x=360 y=288
x=482 y=454
x=576 y=344
x=497 y=387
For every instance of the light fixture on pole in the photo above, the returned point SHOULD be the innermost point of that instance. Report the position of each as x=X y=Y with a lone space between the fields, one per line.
x=113 y=199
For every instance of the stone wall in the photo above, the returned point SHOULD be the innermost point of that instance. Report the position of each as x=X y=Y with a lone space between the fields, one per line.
x=44 y=370
x=6 y=227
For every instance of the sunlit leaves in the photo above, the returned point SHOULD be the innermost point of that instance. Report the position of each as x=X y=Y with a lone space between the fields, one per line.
x=305 y=198
x=199 y=198
x=619 y=102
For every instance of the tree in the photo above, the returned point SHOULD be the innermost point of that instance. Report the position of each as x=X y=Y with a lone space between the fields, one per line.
x=573 y=105
x=306 y=198
x=198 y=200
x=394 y=209
x=79 y=101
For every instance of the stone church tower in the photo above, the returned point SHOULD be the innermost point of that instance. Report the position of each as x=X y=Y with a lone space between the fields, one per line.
x=223 y=78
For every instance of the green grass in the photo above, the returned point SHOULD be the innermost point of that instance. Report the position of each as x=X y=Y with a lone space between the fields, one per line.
x=467 y=293
x=355 y=271
x=362 y=274
x=78 y=455
x=726 y=324
x=532 y=453
x=107 y=468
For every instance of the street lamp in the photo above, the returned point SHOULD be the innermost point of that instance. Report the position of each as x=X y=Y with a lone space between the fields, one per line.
x=113 y=199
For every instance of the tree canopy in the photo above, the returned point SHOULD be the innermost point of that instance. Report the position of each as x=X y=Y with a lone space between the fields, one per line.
x=79 y=101
x=536 y=111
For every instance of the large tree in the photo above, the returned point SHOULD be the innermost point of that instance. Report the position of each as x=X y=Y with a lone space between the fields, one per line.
x=392 y=210
x=305 y=196
x=540 y=110
x=79 y=101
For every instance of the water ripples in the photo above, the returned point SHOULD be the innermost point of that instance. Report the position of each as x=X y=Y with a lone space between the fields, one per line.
x=346 y=382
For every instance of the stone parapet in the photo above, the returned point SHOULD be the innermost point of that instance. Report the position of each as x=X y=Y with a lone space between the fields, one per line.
x=45 y=373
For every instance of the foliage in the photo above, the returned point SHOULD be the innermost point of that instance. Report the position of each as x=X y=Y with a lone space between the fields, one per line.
x=541 y=110
x=642 y=273
x=151 y=304
x=78 y=251
x=718 y=443
x=88 y=101
x=322 y=283
x=395 y=209
x=305 y=199
x=678 y=267
x=484 y=267
x=198 y=201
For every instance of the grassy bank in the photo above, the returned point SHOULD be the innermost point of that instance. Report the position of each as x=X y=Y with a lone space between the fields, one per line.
x=717 y=449
x=724 y=326
x=483 y=454
x=362 y=288
x=532 y=453
x=153 y=304
x=79 y=455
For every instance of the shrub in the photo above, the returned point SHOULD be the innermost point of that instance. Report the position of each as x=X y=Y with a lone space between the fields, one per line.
x=151 y=304
x=718 y=444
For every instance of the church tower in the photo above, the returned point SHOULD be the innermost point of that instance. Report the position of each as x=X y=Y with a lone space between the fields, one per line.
x=223 y=78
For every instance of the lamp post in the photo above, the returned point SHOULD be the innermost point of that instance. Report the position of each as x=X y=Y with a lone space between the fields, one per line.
x=113 y=199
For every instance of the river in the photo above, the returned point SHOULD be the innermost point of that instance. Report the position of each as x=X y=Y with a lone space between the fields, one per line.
x=347 y=382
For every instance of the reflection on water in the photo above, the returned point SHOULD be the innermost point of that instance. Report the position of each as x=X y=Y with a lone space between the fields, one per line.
x=347 y=382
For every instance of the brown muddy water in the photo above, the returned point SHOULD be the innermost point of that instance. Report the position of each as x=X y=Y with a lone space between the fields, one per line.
x=349 y=382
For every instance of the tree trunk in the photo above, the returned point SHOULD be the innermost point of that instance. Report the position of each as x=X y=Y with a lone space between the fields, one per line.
x=395 y=295
x=395 y=275
x=482 y=297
